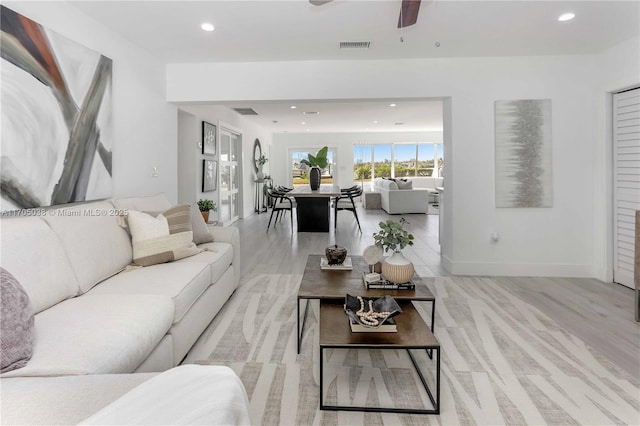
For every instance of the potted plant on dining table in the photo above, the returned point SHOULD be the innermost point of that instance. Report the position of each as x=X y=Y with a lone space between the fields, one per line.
x=317 y=163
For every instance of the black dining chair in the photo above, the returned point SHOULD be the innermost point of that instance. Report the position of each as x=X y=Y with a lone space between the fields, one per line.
x=346 y=201
x=281 y=203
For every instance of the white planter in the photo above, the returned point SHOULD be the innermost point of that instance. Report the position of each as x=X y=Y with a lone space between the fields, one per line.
x=397 y=268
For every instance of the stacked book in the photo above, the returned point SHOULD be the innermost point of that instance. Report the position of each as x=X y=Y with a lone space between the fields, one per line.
x=387 y=285
x=388 y=326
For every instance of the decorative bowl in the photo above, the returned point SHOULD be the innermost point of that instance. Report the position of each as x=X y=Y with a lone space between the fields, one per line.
x=335 y=254
x=382 y=304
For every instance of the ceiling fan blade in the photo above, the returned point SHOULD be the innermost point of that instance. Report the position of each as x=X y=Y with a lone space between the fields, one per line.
x=319 y=2
x=408 y=13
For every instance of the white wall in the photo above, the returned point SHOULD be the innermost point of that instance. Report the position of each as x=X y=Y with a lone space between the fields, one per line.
x=144 y=123
x=223 y=116
x=342 y=142
x=557 y=241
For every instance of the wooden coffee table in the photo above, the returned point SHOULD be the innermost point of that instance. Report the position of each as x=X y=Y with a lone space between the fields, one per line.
x=334 y=285
x=412 y=334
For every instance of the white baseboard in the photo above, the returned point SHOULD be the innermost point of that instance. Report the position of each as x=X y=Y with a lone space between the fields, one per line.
x=517 y=269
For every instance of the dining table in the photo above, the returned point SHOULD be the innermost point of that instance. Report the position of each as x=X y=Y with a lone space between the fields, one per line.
x=313 y=206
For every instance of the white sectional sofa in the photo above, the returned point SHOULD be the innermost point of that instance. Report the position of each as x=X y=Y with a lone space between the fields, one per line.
x=430 y=184
x=399 y=201
x=94 y=315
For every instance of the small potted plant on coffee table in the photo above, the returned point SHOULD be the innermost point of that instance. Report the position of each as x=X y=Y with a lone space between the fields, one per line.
x=205 y=205
x=393 y=237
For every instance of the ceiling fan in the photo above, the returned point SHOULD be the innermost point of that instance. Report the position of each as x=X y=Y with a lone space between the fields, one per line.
x=408 y=11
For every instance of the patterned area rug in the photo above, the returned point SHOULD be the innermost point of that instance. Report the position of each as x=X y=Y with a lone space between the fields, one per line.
x=503 y=362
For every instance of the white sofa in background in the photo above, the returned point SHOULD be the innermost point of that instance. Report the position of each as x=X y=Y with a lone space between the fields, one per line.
x=92 y=316
x=430 y=184
x=400 y=201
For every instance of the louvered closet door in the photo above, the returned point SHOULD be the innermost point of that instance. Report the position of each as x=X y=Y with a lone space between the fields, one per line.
x=626 y=155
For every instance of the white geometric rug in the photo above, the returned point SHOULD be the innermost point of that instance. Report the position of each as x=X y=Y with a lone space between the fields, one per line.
x=503 y=362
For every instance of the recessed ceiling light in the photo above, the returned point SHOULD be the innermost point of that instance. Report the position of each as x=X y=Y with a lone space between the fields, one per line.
x=302 y=122
x=375 y=121
x=207 y=26
x=566 y=17
x=293 y=107
x=392 y=105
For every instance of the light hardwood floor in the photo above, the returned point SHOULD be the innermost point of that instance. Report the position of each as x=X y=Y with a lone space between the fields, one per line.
x=601 y=314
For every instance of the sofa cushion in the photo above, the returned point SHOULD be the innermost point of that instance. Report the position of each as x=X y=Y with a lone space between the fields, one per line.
x=35 y=256
x=183 y=283
x=151 y=203
x=97 y=334
x=152 y=242
x=16 y=324
x=387 y=184
x=404 y=184
x=39 y=400
x=178 y=218
x=199 y=227
x=218 y=255
x=96 y=245
x=184 y=395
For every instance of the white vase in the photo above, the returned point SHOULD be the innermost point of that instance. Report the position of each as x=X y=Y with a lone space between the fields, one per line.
x=397 y=268
x=260 y=174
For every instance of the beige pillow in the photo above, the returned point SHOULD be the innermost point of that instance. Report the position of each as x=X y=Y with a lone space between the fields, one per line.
x=199 y=227
x=153 y=243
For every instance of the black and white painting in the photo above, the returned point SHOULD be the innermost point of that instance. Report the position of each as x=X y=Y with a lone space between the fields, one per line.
x=209 y=175
x=208 y=138
x=56 y=117
x=523 y=153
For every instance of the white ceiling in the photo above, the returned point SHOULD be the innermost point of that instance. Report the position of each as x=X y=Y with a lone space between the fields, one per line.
x=267 y=30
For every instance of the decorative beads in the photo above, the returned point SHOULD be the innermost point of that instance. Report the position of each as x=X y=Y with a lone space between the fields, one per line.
x=370 y=317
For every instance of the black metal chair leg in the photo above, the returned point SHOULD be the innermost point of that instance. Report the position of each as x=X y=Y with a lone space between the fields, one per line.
x=270 y=217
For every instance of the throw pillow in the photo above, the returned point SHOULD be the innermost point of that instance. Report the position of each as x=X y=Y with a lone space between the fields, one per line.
x=153 y=243
x=200 y=229
x=404 y=184
x=178 y=217
x=16 y=324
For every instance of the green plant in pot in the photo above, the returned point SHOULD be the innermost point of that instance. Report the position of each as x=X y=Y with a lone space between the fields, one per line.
x=262 y=160
x=204 y=206
x=317 y=163
x=393 y=237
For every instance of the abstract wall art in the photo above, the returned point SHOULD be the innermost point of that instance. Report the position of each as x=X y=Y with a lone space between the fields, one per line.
x=208 y=138
x=209 y=175
x=56 y=145
x=523 y=153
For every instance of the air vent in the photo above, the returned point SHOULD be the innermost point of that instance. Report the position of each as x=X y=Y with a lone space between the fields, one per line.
x=355 y=44
x=245 y=111
x=311 y=112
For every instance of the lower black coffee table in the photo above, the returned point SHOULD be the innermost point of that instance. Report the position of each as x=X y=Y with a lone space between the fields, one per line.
x=412 y=334
x=335 y=284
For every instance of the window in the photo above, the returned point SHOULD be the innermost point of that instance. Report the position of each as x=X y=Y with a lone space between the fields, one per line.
x=396 y=160
x=300 y=172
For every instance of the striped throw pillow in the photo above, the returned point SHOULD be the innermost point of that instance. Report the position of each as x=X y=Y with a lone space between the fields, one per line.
x=154 y=242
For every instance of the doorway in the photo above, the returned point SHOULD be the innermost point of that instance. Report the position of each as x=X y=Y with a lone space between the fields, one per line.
x=229 y=176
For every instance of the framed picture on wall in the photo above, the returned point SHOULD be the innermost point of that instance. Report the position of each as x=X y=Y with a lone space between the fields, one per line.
x=209 y=175
x=208 y=138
